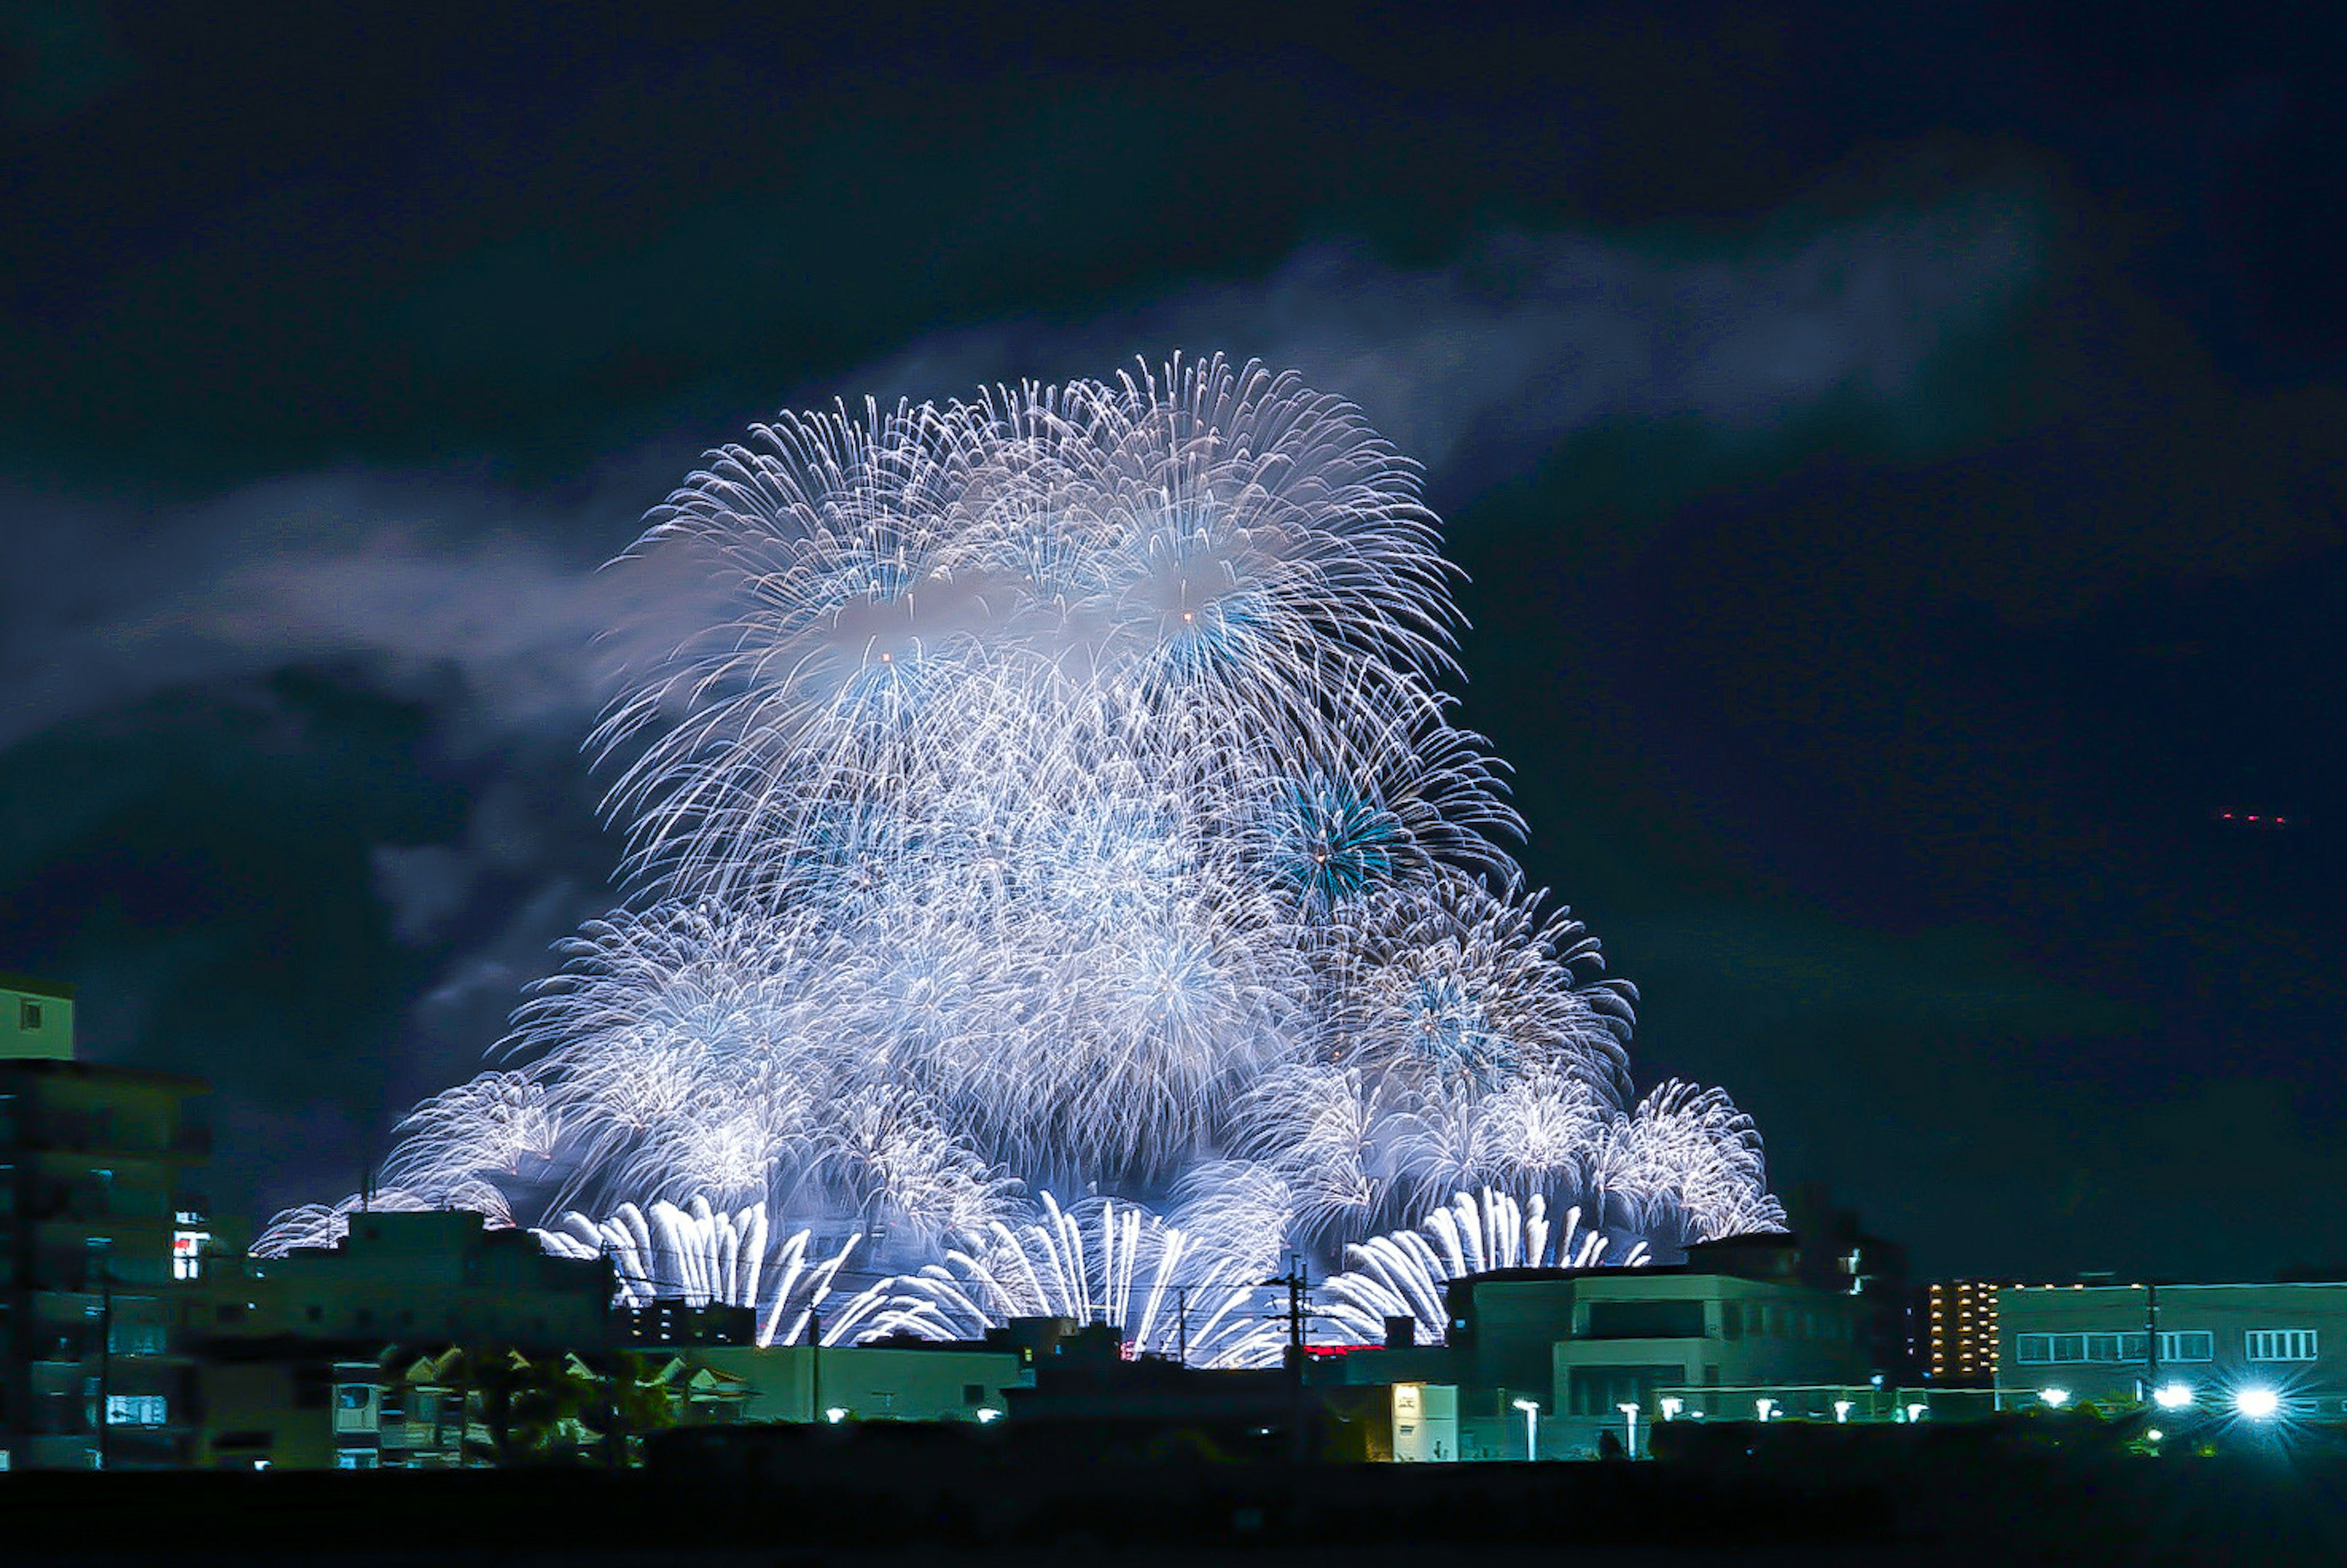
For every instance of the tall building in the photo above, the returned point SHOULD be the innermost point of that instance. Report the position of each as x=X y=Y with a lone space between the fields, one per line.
x=1957 y=1340
x=100 y=1246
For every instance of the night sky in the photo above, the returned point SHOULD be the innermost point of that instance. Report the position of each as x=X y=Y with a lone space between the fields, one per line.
x=1896 y=452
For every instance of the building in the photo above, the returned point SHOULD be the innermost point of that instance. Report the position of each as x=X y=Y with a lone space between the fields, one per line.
x=100 y=1247
x=2212 y=1349
x=1838 y=1254
x=832 y=1383
x=1956 y=1339
x=1545 y=1359
x=299 y=1357
x=353 y=1405
x=672 y=1320
x=36 y=1020
x=433 y=1277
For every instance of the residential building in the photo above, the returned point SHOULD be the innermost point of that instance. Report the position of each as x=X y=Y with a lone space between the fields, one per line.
x=294 y=1349
x=279 y=1404
x=100 y=1246
x=36 y=1019
x=2185 y=1346
x=1956 y=1337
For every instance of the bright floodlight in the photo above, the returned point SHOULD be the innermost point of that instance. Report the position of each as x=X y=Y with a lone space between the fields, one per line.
x=834 y=1415
x=987 y=1415
x=2054 y=1398
x=2257 y=1403
x=1527 y=1406
x=2172 y=1396
x=1841 y=1411
x=1764 y=1407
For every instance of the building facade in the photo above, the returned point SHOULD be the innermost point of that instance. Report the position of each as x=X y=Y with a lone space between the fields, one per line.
x=2213 y=1349
x=1545 y=1359
x=101 y=1248
x=436 y=1276
x=1956 y=1342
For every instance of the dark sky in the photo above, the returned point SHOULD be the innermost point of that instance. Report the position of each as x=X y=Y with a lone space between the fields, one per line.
x=1896 y=449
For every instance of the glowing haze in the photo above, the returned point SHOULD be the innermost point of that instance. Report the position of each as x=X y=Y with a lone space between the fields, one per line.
x=1061 y=798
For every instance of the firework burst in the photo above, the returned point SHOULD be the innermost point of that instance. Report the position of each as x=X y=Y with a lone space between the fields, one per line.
x=1062 y=792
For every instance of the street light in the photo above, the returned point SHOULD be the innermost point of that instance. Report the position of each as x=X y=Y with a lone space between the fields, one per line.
x=1531 y=1408
x=2054 y=1398
x=1672 y=1406
x=1764 y=1407
x=2172 y=1396
x=2258 y=1402
x=1629 y=1408
x=1841 y=1412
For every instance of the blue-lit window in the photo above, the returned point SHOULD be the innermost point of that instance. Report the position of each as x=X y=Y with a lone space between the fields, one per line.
x=2187 y=1345
x=134 y=1410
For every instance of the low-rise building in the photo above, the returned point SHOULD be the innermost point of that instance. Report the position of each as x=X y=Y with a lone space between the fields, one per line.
x=1545 y=1359
x=423 y=1277
x=2179 y=1346
x=862 y=1382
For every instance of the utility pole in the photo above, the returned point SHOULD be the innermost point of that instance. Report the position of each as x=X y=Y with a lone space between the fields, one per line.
x=1182 y=1316
x=1294 y=1280
x=815 y=1364
x=97 y=1255
x=1296 y=1314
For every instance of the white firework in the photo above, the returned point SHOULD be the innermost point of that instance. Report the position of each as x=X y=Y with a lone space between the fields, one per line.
x=325 y=1226
x=1058 y=789
x=1164 y=1291
x=1687 y=1167
x=1401 y=1274
x=703 y=1255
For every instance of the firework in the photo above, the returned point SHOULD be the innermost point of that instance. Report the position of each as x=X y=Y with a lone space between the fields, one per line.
x=1165 y=1292
x=1401 y=1275
x=1059 y=793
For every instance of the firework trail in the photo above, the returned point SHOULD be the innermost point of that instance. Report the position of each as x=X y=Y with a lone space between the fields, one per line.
x=1062 y=794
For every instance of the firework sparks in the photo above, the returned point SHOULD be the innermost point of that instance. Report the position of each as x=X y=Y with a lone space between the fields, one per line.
x=1063 y=795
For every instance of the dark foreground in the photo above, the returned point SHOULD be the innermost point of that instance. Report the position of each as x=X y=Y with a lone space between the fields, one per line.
x=881 y=1497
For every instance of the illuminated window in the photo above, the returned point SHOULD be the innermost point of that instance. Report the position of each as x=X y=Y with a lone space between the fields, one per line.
x=355 y=1408
x=134 y=1410
x=356 y=1459
x=188 y=1254
x=2187 y=1345
x=2279 y=1344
